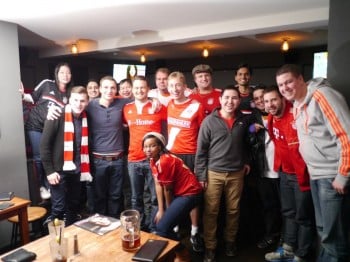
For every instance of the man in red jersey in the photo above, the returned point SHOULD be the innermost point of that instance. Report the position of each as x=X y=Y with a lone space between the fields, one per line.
x=185 y=116
x=141 y=119
x=296 y=201
x=205 y=93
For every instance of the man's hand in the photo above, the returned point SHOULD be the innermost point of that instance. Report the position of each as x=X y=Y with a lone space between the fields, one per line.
x=54 y=112
x=204 y=184
x=54 y=178
x=341 y=189
x=156 y=105
x=246 y=169
x=21 y=89
x=255 y=128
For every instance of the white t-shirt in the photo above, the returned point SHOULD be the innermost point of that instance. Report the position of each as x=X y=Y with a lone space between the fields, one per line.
x=269 y=151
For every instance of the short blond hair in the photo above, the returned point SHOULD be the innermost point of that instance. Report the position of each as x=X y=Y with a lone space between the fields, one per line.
x=178 y=75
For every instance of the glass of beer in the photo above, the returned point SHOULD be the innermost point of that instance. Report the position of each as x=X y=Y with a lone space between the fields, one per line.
x=130 y=229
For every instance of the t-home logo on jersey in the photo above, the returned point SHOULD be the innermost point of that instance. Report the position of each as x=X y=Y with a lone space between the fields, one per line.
x=142 y=122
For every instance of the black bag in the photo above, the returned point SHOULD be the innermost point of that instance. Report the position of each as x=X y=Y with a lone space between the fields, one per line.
x=20 y=255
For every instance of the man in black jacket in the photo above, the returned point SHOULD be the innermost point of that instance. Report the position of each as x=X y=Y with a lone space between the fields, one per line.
x=267 y=179
x=65 y=156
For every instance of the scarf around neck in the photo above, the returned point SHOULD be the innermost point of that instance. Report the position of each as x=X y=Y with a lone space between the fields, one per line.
x=68 y=154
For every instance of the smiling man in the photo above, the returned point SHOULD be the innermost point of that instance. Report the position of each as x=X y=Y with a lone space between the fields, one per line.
x=242 y=77
x=107 y=145
x=221 y=164
x=205 y=93
x=322 y=119
x=141 y=119
x=296 y=203
x=185 y=116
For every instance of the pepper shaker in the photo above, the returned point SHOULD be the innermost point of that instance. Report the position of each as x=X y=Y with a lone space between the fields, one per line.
x=76 y=246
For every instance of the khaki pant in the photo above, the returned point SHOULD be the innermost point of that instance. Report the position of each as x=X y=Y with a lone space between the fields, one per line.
x=231 y=185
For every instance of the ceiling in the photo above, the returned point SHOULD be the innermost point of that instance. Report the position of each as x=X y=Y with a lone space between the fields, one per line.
x=166 y=29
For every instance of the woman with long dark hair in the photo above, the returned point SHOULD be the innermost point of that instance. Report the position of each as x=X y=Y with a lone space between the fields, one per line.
x=46 y=93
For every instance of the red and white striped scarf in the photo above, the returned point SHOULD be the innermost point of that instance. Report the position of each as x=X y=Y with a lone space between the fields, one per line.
x=68 y=145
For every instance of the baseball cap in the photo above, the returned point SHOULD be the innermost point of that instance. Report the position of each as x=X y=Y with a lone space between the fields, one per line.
x=202 y=69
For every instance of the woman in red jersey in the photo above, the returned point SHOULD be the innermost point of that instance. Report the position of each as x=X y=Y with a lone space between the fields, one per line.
x=178 y=190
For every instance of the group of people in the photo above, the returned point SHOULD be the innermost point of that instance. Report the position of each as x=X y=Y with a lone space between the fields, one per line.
x=181 y=151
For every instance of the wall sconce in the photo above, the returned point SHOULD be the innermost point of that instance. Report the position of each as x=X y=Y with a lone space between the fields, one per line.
x=74 y=49
x=143 y=58
x=285 y=45
x=205 y=52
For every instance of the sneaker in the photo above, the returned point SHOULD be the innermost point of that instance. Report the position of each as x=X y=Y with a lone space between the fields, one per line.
x=44 y=193
x=230 y=249
x=209 y=256
x=299 y=259
x=282 y=254
x=266 y=242
x=197 y=243
x=182 y=255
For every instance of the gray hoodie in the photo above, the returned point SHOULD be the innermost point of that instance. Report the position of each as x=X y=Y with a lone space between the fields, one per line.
x=323 y=124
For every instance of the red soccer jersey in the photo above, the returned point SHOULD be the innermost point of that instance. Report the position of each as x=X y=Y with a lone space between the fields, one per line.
x=170 y=170
x=209 y=101
x=287 y=157
x=141 y=123
x=184 y=121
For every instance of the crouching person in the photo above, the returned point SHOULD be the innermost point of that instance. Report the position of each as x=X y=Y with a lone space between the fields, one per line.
x=178 y=190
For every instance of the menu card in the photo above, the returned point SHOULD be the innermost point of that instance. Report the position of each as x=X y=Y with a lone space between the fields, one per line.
x=99 y=224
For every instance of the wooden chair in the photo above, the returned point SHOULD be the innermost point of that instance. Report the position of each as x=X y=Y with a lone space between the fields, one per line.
x=34 y=214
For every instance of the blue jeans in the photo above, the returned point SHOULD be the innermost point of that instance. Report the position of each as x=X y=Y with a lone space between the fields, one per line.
x=140 y=173
x=65 y=197
x=34 y=138
x=178 y=210
x=332 y=212
x=108 y=186
x=298 y=212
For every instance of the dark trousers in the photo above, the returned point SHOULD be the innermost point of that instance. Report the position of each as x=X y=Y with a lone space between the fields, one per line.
x=108 y=186
x=65 y=197
x=269 y=194
x=298 y=212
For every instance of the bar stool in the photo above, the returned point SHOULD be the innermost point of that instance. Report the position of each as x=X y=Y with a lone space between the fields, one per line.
x=34 y=214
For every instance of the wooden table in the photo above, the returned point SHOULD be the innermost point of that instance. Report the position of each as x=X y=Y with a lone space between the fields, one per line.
x=19 y=208
x=94 y=247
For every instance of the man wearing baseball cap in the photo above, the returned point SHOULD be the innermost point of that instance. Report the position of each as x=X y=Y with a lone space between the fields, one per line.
x=205 y=93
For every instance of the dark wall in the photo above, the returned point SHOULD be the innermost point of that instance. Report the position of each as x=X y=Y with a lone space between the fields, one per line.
x=339 y=47
x=264 y=65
